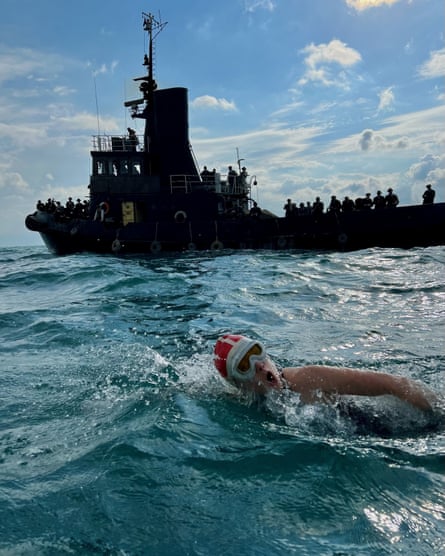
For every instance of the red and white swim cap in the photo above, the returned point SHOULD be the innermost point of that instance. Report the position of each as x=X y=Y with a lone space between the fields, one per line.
x=235 y=356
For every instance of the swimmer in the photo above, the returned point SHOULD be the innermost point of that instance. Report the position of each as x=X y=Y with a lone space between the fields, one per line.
x=244 y=363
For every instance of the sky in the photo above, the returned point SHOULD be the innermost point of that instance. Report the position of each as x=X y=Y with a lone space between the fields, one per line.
x=318 y=97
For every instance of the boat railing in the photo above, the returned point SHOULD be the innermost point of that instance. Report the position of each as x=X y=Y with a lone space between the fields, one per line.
x=183 y=183
x=234 y=185
x=117 y=143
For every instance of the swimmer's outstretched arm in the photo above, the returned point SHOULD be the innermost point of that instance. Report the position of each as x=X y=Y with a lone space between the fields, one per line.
x=313 y=380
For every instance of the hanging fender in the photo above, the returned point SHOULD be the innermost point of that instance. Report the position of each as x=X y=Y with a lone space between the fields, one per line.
x=216 y=245
x=116 y=246
x=155 y=247
x=180 y=216
x=342 y=238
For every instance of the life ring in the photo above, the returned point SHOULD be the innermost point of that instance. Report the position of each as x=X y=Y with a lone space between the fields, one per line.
x=105 y=206
x=216 y=245
x=281 y=242
x=191 y=246
x=342 y=238
x=155 y=246
x=74 y=231
x=180 y=216
x=116 y=246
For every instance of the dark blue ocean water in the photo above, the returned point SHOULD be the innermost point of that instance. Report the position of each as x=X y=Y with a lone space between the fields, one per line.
x=117 y=436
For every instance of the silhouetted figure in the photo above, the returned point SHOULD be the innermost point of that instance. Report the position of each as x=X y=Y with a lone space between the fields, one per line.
x=391 y=199
x=379 y=201
x=243 y=176
x=78 y=208
x=428 y=196
x=255 y=211
x=288 y=208
x=231 y=177
x=367 y=202
x=133 y=140
x=206 y=175
x=359 y=203
x=317 y=207
x=69 y=206
x=347 y=205
x=334 y=205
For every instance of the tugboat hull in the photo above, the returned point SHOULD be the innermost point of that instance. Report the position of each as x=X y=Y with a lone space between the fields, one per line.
x=405 y=227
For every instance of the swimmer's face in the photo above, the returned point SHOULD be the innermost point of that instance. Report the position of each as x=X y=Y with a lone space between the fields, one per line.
x=266 y=377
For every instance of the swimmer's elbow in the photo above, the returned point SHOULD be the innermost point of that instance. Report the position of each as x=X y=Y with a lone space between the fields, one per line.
x=416 y=394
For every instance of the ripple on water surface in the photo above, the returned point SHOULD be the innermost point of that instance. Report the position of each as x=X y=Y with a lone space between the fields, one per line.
x=117 y=436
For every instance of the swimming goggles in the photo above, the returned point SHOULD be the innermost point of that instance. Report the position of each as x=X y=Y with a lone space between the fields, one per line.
x=245 y=369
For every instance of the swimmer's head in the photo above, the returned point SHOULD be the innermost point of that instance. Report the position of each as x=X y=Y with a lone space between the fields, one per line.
x=235 y=357
x=244 y=362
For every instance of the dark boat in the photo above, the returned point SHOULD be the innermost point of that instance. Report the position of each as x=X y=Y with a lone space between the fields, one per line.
x=146 y=195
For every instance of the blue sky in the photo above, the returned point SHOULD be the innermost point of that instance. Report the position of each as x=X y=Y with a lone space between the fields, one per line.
x=321 y=97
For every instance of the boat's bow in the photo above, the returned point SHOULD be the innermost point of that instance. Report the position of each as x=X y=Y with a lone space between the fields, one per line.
x=38 y=221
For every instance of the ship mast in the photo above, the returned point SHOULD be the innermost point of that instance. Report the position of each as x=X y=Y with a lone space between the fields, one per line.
x=148 y=84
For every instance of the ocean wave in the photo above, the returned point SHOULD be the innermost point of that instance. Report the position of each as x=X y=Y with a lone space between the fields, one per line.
x=117 y=435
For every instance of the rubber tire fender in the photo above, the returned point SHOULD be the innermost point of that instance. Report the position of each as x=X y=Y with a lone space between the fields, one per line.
x=216 y=245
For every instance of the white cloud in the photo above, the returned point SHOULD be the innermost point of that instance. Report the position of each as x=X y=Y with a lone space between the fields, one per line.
x=321 y=60
x=419 y=132
x=84 y=121
x=273 y=154
x=425 y=125
x=103 y=68
x=429 y=165
x=319 y=75
x=289 y=162
x=288 y=110
x=430 y=169
x=207 y=101
x=370 y=140
x=62 y=90
x=440 y=95
x=435 y=66
x=12 y=181
x=386 y=99
x=366 y=139
x=253 y=5
x=24 y=62
x=23 y=135
x=334 y=52
x=361 y=5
